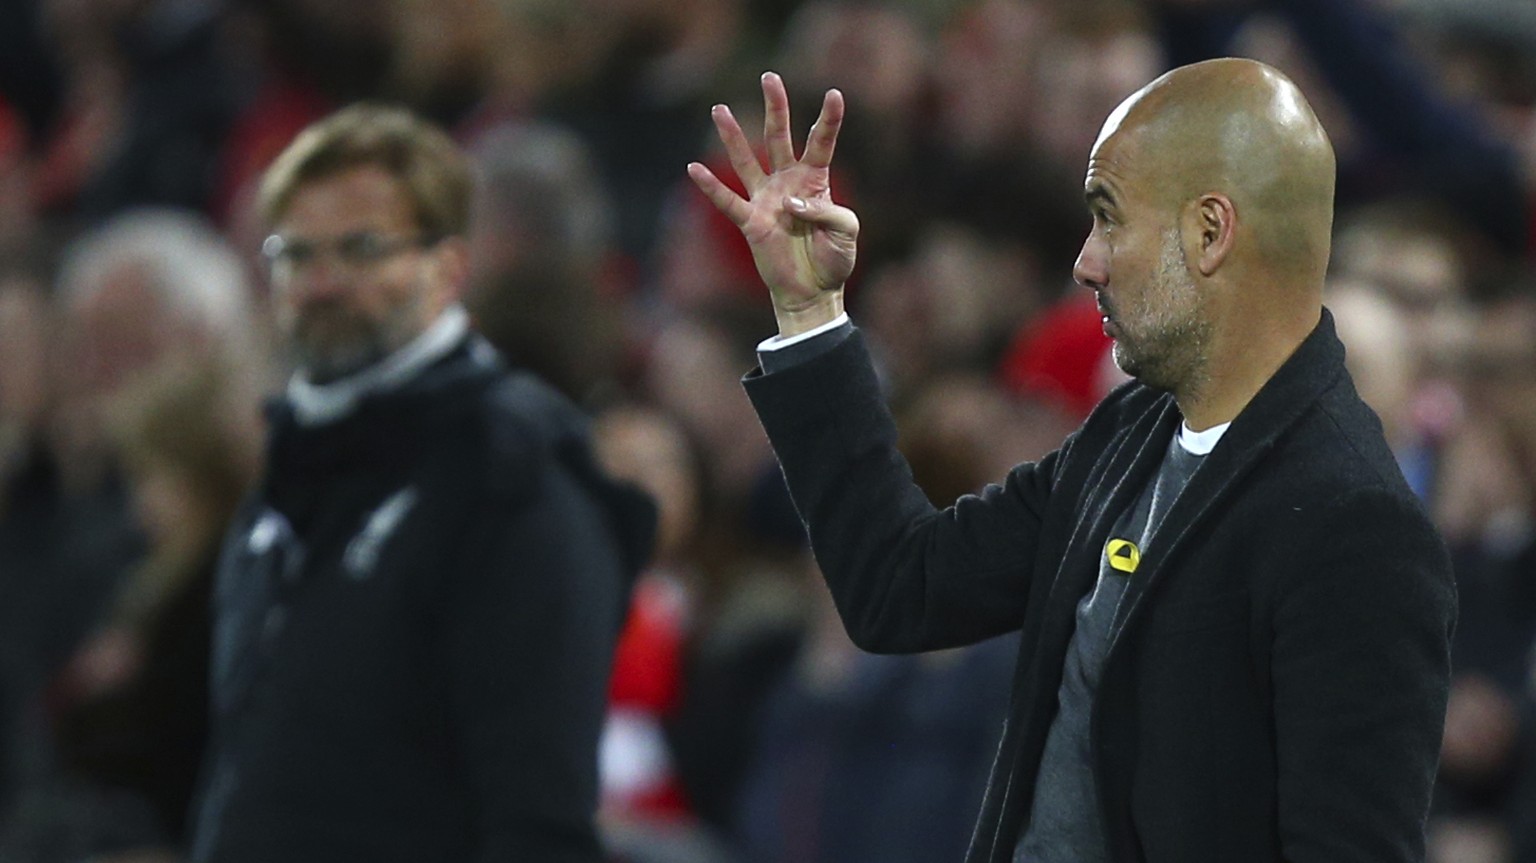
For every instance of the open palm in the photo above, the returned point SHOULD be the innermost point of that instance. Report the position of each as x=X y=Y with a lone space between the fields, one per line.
x=803 y=244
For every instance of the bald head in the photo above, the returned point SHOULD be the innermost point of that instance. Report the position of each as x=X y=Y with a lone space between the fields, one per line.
x=1240 y=129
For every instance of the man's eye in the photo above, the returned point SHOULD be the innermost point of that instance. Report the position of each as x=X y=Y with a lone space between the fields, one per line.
x=361 y=247
x=296 y=253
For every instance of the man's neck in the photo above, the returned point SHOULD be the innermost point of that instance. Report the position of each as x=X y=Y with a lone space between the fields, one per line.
x=1239 y=366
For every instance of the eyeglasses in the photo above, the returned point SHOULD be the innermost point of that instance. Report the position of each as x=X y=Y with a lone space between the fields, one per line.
x=356 y=251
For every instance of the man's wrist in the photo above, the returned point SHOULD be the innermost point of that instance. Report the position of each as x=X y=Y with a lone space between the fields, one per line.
x=781 y=342
x=826 y=309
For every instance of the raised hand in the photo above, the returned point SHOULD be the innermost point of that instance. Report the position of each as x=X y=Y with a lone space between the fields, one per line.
x=803 y=243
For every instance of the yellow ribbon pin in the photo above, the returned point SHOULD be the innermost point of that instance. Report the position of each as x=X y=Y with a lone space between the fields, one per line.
x=1123 y=555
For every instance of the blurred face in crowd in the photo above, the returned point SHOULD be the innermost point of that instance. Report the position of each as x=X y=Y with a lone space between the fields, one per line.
x=1136 y=266
x=1379 y=353
x=116 y=331
x=649 y=448
x=354 y=278
x=1499 y=369
x=1422 y=276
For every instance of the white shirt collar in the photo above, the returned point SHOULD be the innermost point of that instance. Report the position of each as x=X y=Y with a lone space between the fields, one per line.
x=1200 y=442
x=321 y=404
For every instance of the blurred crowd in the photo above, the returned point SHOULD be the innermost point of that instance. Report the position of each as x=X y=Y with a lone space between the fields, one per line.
x=135 y=356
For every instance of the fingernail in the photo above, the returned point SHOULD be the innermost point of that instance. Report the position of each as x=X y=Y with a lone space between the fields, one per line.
x=797 y=203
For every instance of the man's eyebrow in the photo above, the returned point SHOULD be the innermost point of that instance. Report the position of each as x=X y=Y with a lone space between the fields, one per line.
x=1099 y=194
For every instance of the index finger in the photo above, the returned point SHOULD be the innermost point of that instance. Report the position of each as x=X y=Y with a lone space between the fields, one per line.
x=727 y=201
x=823 y=138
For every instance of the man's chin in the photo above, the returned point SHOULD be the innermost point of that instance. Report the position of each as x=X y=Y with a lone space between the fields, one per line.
x=332 y=363
x=1155 y=375
x=1125 y=360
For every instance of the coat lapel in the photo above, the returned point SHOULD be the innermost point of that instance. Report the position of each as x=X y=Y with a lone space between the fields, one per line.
x=1126 y=472
x=1111 y=487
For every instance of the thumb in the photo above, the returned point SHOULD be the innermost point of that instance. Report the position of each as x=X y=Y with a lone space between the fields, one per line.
x=823 y=212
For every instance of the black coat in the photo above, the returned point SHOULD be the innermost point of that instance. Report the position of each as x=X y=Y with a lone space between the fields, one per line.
x=415 y=621
x=1278 y=687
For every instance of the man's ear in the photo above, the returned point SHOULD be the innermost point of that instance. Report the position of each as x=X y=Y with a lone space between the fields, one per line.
x=1213 y=224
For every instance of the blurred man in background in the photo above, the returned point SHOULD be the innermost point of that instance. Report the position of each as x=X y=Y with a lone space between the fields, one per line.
x=416 y=614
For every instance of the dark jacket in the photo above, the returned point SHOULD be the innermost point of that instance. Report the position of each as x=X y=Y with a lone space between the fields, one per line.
x=1278 y=685
x=415 y=621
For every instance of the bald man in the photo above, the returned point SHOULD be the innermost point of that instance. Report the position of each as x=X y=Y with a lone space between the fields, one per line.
x=1235 y=616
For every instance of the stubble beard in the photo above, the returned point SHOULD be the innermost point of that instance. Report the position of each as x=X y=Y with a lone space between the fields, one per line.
x=358 y=343
x=1167 y=349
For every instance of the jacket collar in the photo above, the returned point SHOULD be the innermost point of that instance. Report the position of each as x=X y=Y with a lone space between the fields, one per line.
x=386 y=426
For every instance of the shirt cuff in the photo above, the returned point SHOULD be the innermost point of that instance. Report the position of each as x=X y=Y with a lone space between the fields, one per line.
x=778 y=342
x=778 y=352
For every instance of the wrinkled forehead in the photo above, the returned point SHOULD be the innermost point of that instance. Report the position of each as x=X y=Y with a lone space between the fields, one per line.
x=1119 y=161
x=1116 y=121
x=1156 y=141
x=1121 y=153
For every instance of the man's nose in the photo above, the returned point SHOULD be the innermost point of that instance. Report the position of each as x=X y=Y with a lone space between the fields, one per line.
x=321 y=279
x=1091 y=270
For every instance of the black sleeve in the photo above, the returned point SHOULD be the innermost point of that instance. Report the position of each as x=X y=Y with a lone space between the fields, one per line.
x=533 y=618
x=906 y=577
x=804 y=351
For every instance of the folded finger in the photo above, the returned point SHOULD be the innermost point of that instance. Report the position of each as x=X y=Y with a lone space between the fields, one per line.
x=819 y=211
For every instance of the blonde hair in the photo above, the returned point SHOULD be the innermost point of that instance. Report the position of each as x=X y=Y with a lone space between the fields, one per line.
x=431 y=169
